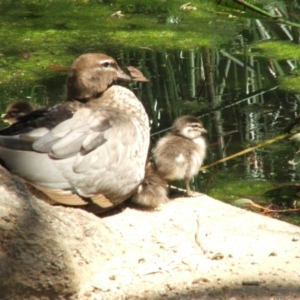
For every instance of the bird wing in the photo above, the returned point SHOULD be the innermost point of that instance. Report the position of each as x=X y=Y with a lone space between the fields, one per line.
x=97 y=138
x=45 y=117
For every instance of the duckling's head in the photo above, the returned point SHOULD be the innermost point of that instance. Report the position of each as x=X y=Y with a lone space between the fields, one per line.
x=91 y=74
x=16 y=110
x=189 y=127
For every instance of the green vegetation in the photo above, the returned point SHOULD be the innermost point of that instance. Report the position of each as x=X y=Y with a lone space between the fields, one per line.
x=280 y=50
x=229 y=187
x=290 y=83
x=54 y=32
x=37 y=34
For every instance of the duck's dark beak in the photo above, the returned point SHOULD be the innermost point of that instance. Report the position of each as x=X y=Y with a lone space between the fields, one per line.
x=122 y=75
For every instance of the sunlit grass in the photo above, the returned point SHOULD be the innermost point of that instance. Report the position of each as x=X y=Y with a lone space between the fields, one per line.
x=56 y=32
x=281 y=50
x=290 y=83
x=228 y=187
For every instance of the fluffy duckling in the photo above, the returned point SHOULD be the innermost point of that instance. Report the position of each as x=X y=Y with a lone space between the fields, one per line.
x=16 y=110
x=91 y=148
x=153 y=190
x=180 y=154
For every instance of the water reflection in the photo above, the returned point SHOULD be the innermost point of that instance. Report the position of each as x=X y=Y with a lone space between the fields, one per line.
x=239 y=101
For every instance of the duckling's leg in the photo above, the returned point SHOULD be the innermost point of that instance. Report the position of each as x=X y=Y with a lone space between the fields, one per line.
x=189 y=192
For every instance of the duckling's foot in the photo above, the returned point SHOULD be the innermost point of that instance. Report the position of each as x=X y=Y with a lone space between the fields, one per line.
x=189 y=192
x=192 y=194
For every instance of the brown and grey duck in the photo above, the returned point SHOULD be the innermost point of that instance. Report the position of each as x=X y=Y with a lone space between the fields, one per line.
x=91 y=148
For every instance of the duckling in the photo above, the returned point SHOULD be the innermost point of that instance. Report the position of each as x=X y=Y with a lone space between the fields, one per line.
x=153 y=190
x=180 y=154
x=16 y=110
x=90 y=149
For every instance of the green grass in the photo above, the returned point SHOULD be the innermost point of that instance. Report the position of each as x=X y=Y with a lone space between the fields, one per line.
x=56 y=32
x=280 y=50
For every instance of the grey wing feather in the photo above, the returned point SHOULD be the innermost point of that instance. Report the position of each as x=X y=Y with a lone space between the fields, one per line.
x=99 y=139
x=73 y=135
x=113 y=150
x=35 y=134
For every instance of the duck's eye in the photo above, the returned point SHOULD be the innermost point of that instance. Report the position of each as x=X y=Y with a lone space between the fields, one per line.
x=106 y=64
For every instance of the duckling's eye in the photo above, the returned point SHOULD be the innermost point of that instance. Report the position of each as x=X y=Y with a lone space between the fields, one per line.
x=106 y=64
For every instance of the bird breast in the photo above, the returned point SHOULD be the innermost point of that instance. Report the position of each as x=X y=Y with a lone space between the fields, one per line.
x=125 y=101
x=177 y=157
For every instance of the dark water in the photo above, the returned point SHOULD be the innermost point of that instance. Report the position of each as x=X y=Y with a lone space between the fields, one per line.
x=235 y=86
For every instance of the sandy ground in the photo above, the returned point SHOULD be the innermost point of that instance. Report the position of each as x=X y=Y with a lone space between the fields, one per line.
x=192 y=248
x=201 y=248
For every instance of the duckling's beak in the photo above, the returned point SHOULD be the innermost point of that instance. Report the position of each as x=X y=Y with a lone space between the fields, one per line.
x=203 y=131
x=121 y=75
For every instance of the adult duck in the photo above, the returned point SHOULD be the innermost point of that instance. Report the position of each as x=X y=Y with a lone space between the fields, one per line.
x=91 y=148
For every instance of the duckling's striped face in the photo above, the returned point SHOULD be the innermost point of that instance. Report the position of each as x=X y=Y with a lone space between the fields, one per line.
x=193 y=130
x=189 y=127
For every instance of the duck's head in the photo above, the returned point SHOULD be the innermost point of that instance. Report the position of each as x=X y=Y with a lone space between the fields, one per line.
x=91 y=74
x=189 y=127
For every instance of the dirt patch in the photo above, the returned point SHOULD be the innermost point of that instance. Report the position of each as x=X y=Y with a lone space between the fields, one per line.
x=201 y=248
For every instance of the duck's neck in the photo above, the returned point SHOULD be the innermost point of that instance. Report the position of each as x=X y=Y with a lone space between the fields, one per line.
x=83 y=99
x=82 y=92
x=122 y=99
